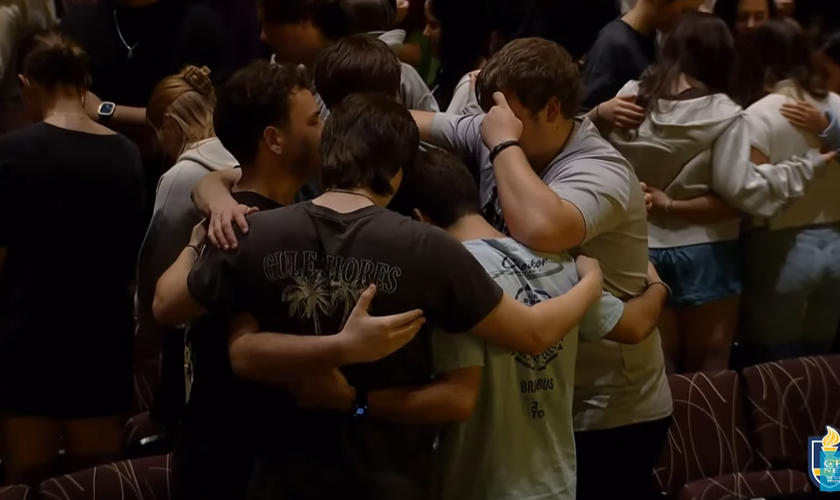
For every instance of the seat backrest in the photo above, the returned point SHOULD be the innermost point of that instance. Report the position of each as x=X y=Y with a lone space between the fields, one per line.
x=140 y=479
x=789 y=401
x=15 y=492
x=707 y=437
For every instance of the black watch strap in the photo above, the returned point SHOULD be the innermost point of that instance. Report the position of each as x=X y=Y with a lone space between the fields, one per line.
x=360 y=404
x=501 y=147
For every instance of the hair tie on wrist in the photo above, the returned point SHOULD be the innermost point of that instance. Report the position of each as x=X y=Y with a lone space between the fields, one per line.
x=501 y=147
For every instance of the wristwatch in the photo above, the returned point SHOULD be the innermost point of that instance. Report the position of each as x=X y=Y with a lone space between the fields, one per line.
x=360 y=403
x=106 y=111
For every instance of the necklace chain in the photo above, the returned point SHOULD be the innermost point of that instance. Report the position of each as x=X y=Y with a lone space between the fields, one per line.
x=128 y=47
x=344 y=191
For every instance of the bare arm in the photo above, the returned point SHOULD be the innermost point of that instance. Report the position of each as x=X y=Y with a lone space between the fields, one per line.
x=532 y=330
x=276 y=358
x=705 y=209
x=173 y=305
x=641 y=314
x=213 y=187
x=424 y=121
x=450 y=398
x=534 y=213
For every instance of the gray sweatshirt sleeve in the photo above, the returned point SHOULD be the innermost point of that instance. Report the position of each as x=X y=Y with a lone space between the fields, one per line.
x=759 y=190
x=414 y=92
x=173 y=219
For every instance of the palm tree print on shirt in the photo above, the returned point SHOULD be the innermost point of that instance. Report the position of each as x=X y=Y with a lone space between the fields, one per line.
x=308 y=297
x=312 y=295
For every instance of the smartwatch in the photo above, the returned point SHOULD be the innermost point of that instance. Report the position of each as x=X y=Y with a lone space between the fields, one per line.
x=106 y=111
x=360 y=404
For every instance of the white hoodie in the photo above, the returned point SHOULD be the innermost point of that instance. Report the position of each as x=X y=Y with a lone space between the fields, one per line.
x=700 y=146
x=173 y=219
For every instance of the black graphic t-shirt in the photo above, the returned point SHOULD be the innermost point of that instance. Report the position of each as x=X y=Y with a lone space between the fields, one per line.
x=300 y=270
x=215 y=438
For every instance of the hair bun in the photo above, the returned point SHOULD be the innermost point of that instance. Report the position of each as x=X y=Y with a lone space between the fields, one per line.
x=198 y=79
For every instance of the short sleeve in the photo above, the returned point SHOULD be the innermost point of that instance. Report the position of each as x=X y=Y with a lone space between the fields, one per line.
x=459 y=291
x=601 y=318
x=458 y=132
x=215 y=283
x=452 y=352
x=600 y=189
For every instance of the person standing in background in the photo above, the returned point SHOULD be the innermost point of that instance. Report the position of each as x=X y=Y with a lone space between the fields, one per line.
x=626 y=47
x=17 y=18
x=132 y=45
x=65 y=340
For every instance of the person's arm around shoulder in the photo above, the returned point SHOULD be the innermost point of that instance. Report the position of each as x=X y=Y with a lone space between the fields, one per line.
x=276 y=358
x=534 y=329
x=449 y=131
x=706 y=209
x=450 y=398
x=640 y=314
x=753 y=186
x=212 y=198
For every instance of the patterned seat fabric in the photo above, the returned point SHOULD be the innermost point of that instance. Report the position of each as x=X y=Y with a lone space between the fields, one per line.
x=748 y=485
x=16 y=492
x=138 y=428
x=708 y=437
x=791 y=400
x=140 y=479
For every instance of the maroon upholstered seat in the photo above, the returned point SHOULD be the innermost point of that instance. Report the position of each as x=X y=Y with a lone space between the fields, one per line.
x=791 y=400
x=140 y=479
x=749 y=485
x=708 y=437
x=138 y=428
x=16 y=492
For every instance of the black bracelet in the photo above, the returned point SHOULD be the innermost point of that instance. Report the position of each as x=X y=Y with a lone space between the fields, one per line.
x=667 y=288
x=501 y=147
x=194 y=247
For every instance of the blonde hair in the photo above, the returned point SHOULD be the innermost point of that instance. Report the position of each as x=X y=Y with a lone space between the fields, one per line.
x=187 y=100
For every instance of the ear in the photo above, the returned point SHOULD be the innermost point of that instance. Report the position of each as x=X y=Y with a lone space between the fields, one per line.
x=24 y=82
x=552 y=110
x=274 y=139
x=418 y=215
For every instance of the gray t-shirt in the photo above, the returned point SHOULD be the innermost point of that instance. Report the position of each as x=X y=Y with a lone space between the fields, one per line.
x=482 y=458
x=615 y=384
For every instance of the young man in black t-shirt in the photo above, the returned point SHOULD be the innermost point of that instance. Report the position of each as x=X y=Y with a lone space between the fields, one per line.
x=626 y=47
x=266 y=117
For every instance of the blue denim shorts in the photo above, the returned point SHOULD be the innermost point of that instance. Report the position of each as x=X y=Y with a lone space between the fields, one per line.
x=699 y=274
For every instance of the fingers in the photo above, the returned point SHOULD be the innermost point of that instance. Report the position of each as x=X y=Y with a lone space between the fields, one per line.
x=500 y=100
x=363 y=304
x=397 y=320
x=631 y=112
x=404 y=334
x=211 y=233
x=249 y=211
x=627 y=98
x=227 y=228
x=830 y=156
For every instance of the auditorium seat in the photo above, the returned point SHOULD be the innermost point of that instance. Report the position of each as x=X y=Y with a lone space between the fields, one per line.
x=16 y=492
x=708 y=437
x=758 y=484
x=789 y=401
x=144 y=437
x=139 y=479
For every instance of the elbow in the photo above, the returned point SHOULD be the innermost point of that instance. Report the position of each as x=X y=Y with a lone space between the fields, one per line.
x=163 y=310
x=240 y=359
x=462 y=409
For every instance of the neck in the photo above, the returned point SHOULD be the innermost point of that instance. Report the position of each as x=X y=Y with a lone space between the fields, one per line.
x=349 y=200
x=274 y=183
x=473 y=227
x=62 y=103
x=555 y=144
x=641 y=17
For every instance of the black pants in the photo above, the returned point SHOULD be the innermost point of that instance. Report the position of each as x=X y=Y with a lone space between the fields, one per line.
x=618 y=463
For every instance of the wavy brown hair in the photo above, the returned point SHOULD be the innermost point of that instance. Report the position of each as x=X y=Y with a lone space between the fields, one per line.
x=785 y=54
x=701 y=47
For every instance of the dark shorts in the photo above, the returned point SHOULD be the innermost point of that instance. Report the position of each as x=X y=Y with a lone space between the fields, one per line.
x=699 y=274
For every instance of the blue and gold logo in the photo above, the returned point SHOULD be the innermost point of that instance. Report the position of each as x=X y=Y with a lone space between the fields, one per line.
x=823 y=465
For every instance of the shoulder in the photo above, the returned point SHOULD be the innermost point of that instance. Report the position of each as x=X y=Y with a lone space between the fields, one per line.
x=611 y=39
x=629 y=88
